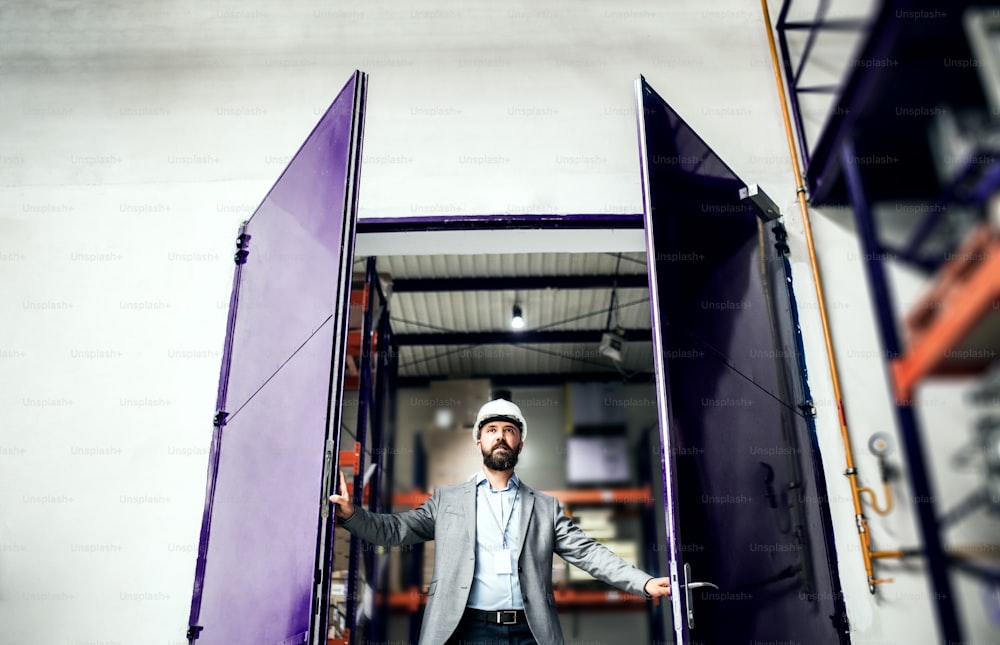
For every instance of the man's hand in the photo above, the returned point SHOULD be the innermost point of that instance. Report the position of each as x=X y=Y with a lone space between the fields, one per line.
x=657 y=587
x=345 y=507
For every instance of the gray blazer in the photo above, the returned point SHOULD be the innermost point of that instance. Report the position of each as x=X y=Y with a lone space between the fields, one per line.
x=449 y=517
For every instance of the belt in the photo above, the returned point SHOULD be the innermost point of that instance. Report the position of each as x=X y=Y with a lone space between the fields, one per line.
x=500 y=617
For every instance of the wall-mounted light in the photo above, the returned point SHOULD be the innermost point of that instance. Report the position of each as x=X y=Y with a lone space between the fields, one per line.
x=517 y=317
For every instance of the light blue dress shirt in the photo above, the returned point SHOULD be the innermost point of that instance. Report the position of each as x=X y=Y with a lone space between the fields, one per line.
x=495 y=509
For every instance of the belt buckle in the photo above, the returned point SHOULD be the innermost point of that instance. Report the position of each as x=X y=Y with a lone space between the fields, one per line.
x=513 y=617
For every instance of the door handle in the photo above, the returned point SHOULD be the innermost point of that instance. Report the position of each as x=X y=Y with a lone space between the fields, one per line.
x=688 y=586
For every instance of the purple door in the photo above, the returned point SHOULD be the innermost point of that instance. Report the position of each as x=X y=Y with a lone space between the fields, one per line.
x=748 y=528
x=265 y=527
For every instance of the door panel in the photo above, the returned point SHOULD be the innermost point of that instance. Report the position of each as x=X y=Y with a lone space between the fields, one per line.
x=288 y=287
x=283 y=362
x=747 y=509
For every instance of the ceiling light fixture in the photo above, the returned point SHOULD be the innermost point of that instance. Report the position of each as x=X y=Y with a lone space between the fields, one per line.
x=517 y=318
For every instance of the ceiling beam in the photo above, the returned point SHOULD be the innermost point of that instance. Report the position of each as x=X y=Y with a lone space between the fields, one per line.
x=503 y=221
x=526 y=380
x=516 y=337
x=520 y=283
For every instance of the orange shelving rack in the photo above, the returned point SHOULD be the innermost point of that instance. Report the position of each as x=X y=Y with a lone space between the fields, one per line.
x=955 y=327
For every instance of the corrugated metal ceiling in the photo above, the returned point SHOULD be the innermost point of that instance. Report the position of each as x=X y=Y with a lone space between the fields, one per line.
x=453 y=311
x=511 y=264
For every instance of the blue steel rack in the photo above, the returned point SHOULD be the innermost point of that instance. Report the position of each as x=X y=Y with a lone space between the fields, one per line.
x=375 y=423
x=860 y=126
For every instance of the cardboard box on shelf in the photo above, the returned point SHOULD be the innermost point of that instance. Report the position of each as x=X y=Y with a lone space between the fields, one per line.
x=338 y=603
x=338 y=586
x=341 y=548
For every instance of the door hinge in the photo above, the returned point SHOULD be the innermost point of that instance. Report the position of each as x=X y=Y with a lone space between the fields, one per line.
x=242 y=242
x=193 y=632
x=328 y=475
x=219 y=419
x=781 y=235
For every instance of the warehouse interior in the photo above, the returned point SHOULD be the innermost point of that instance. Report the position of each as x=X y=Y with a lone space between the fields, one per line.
x=564 y=389
x=526 y=159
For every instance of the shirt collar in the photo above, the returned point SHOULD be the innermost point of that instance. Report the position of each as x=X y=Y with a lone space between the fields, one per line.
x=514 y=482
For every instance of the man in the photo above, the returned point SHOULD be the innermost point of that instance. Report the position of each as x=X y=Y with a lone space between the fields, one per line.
x=495 y=538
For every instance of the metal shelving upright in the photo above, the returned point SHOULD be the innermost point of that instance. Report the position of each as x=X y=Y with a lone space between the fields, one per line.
x=374 y=346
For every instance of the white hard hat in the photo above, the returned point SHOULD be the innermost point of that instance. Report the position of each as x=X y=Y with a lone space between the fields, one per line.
x=500 y=409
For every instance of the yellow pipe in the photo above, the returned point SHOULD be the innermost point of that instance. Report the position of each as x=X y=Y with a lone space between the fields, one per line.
x=874 y=500
x=968 y=551
x=895 y=553
x=863 y=534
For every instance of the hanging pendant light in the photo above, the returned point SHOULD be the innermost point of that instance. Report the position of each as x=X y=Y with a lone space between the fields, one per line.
x=517 y=317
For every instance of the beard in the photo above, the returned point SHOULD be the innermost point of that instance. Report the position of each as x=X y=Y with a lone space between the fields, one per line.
x=496 y=460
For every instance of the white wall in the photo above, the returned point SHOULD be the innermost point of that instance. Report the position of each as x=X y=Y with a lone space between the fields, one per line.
x=137 y=136
x=904 y=606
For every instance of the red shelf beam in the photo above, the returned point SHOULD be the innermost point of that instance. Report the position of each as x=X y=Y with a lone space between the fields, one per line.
x=642 y=495
x=412 y=599
x=967 y=290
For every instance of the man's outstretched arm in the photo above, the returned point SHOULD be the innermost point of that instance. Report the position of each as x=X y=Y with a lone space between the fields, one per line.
x=385 y=529
x=574 y=546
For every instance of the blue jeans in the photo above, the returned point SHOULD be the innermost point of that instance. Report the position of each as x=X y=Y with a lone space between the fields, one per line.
x=471 y=631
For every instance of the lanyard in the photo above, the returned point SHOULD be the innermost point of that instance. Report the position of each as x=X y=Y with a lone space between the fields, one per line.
x=503 y=529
